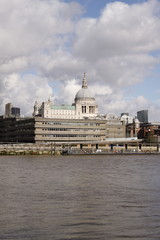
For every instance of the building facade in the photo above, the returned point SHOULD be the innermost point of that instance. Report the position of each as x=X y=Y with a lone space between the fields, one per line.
x=11 y=111
x=143 y=116
x=40 y=129
x=150 y=132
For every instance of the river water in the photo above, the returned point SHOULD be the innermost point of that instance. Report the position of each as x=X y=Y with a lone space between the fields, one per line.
x=79 y=197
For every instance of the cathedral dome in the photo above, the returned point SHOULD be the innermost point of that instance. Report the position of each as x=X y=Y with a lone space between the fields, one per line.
x=84 y=93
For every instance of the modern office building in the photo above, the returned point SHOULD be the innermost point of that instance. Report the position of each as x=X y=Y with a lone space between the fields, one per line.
x=15 y=111
x=11 y=111
x=40 y=129
x=143 y=116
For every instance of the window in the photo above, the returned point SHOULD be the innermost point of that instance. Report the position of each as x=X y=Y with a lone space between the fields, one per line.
x=83 y=109
x=91 y=109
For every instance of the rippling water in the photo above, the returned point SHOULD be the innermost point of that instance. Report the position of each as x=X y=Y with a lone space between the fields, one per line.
x=79 y=197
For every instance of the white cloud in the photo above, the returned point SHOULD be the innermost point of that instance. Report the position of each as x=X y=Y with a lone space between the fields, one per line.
x=13 y=65
x=69 y=90
x=22 y=91
x=28 y=26
x=119 y=43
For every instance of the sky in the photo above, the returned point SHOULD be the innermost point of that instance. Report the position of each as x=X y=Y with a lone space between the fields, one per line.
x=47 y=45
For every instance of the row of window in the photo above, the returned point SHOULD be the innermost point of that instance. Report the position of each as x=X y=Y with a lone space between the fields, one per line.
x=71 y=123
x=114 y=123
x=70 y=129
x=24 y=130
x=70 y=136
x=24 y=124
x=60 y=117
x=61 y=113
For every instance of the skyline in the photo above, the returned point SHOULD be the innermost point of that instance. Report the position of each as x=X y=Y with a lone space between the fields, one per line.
x=46 y=46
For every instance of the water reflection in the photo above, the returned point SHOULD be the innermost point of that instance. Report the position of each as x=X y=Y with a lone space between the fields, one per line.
x=85 y=197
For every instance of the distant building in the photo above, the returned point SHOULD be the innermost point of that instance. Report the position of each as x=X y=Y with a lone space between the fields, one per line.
x=132 y=125
x=11 y=111
x=150 y=132
x=126 y=118
x=132 y=129
x=15 y=111
x=143 y=116
x=8 y=108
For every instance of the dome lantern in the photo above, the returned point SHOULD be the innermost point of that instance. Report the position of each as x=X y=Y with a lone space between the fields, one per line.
x=84 y=92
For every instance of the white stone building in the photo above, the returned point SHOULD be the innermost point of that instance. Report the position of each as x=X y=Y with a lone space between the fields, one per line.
x=84 y=106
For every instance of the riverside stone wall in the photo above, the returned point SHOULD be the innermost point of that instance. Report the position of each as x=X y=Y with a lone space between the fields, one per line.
x=28 y=148
x=58 y=148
